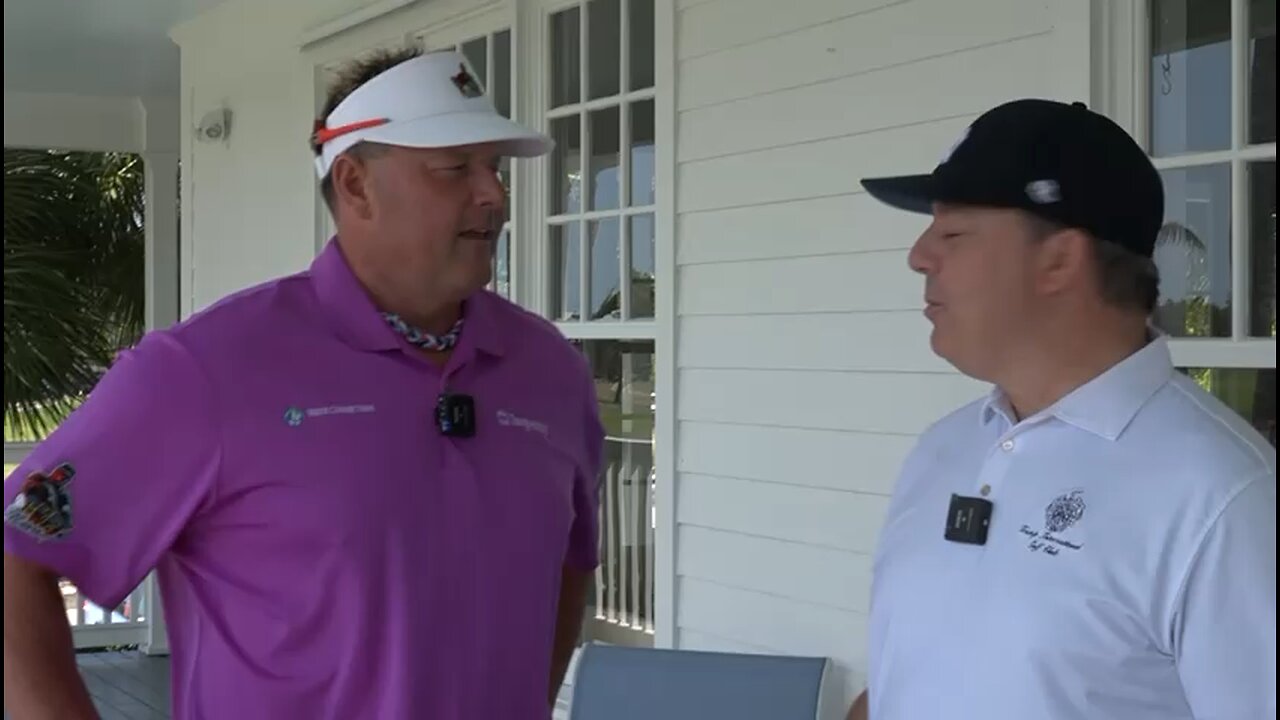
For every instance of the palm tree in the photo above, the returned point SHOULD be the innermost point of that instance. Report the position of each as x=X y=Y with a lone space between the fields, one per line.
x=73 y=277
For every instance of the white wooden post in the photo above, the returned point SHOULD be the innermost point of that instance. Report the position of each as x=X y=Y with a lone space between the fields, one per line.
x=161 y=132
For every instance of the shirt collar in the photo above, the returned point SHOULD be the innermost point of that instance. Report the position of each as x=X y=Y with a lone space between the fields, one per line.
x=1106 y=404
x=482 y=327
x=356 y=319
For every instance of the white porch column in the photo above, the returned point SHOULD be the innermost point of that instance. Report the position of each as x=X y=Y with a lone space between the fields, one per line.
x=161 y=131
x=161 y=228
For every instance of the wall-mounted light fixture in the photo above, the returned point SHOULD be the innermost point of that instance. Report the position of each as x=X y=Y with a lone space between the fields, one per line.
x=215 y=126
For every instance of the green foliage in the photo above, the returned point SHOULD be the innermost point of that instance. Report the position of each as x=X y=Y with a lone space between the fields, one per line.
x=73 y=278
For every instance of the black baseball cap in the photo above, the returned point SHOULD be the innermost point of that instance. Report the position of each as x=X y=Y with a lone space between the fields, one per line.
x=1059 y=161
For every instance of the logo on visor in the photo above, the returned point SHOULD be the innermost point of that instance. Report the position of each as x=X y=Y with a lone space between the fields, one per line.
x=466 y=84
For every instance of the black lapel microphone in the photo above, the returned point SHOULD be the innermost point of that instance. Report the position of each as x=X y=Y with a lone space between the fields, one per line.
x=456 y=415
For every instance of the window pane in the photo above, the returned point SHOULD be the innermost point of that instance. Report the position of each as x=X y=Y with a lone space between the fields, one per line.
x=642 y=266
x=475 y=51
x=623 y=374
x=606 y=299
x=566 y=166
x=642 y=175
x=502 y=73
x=1193 y=252
x=1262 y=71
x=502 y=264
x=1262 y=248
x=1250 y=392
x=1190 y=68
x=604 y=43
x=623 y=371
x=641 y=13
x=565 y=250
x=566 y=57
x=605 y=161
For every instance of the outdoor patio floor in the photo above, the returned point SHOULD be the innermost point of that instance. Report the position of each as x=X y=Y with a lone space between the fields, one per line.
x=126 y=685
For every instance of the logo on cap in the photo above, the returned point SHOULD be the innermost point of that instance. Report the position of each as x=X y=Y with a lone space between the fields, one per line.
x=466 y=84
x=1043 y=192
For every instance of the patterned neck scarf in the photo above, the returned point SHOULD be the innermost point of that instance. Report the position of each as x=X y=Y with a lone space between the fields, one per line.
x=421 y=339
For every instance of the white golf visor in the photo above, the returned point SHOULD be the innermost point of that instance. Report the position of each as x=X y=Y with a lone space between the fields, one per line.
x=431 y=101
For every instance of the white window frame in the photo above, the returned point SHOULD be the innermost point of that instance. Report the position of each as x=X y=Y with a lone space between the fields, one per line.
x=1120 y=71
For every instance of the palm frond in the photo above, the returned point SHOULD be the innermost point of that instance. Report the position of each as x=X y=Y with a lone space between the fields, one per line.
x=73 y=277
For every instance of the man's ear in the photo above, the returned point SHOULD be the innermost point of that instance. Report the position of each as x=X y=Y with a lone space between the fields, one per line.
x=352 y=186
x=1063 y=260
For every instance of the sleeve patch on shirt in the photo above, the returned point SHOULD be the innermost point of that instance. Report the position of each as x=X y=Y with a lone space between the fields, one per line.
x=42 y=507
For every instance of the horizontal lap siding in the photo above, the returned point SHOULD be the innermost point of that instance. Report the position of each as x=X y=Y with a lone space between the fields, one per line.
x=804 y=367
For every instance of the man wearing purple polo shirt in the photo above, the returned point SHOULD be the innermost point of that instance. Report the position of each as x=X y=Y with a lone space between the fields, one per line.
x=369 y=489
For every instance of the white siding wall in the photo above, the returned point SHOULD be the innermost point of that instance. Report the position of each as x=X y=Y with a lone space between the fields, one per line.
x=804 y=370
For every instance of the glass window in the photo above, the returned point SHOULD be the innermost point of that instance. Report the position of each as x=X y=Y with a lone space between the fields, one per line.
x=601 y=270
x=1193 y=252
x=1216 y=251
x=602 y=179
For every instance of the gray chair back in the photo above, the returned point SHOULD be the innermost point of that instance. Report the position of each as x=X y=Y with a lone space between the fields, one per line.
x=624 y=683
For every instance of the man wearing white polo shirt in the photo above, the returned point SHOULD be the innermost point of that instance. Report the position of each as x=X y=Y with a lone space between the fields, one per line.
x=1097 y=538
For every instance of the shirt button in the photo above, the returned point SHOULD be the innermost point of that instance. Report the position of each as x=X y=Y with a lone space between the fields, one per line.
x=985 y=490
x=1007 y=445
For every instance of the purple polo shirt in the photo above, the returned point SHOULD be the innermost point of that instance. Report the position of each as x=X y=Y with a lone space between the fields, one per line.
x=322 y=550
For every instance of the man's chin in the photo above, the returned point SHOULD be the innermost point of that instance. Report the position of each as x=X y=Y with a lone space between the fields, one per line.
x=938 y=342
x=478 y=280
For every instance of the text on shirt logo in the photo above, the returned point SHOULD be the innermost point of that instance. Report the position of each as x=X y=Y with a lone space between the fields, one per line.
x=294 y=416
x=508 y=419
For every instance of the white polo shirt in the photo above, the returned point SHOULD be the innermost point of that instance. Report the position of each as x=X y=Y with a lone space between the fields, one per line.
x=1129 y=572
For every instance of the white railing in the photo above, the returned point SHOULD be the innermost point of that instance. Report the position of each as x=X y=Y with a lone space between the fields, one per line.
x=92 y=626
x=624 y=580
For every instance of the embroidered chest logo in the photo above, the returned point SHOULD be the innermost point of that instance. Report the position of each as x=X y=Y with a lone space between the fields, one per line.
x=1064 y=513
x=293 y=416
x=42 y=508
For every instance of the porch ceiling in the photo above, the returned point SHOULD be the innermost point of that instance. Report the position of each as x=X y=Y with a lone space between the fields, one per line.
x=99 y=48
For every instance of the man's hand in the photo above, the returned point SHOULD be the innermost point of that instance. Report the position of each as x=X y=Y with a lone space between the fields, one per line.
x=859 y=710
x=573 y=603
x=41 y=679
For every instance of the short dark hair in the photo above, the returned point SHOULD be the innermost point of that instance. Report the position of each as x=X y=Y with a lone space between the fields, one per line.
x=1127 y=280
x=349 y=78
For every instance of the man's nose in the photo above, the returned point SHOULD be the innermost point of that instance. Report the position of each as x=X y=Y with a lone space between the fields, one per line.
x=489 y=190
x=921 y=257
